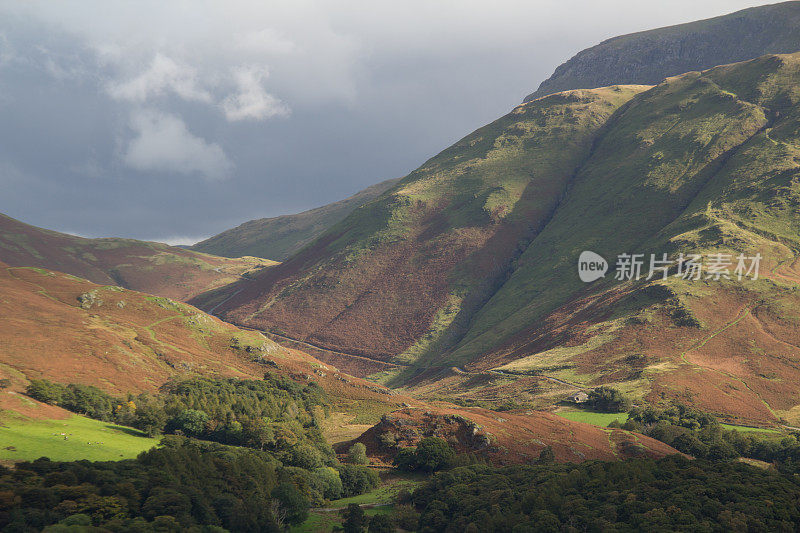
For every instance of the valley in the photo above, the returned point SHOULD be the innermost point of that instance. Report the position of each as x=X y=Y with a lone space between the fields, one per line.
x=429 y=354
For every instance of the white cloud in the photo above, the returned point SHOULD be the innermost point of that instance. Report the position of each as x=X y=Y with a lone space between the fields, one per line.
x=178 y=240
x=252 y=102
x=163 y=76
x=164 y=144
x=266 y=41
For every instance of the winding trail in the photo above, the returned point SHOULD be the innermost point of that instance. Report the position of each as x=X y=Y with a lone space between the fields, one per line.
x=746 y=311
x=459 y=370
x=211 y=311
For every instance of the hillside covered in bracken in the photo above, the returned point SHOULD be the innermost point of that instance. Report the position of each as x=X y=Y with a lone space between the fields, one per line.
x=138 y=265
x=582 y=316
x=471 y=261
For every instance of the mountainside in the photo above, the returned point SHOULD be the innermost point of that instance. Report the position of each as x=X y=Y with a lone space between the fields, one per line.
x=69 y=330
x=400 y=269
x=470 y=262
x=143 y=266
x=650 y=56
x=280 y=237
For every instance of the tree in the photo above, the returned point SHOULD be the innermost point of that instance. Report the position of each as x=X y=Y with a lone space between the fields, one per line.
x=381 y=523
x=434 y=454
x=45 y=391
x=357 y=454
x=259 y=434
x=406 y=517
x=331 y=482
x=547 y=456
x=305 y=456
x=166 y=502
x=357 y=479
x=406 y=459
x=150 y=419
x=190 y=421
x=354 y=519
x=608 y=400
x=292 y=502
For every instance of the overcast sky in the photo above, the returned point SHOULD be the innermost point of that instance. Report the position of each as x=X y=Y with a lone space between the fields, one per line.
x=173 y=121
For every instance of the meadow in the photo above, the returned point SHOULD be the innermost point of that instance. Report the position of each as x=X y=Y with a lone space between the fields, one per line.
x=26 y=440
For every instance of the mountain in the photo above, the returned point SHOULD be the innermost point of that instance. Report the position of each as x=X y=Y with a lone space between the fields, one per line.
x=280 y=237
x=439 y=241
x=650 y=56
x=144 y=266
x=69 y=330
x=464 y=275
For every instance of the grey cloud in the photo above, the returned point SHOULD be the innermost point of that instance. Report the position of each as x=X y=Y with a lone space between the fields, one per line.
x=156 y=119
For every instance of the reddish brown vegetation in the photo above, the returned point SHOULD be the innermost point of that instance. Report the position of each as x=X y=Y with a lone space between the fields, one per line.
x=126 y=341
x=143 y=266
x=506 y=438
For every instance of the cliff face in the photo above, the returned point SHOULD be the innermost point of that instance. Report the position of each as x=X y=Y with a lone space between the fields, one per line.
x=650 y=56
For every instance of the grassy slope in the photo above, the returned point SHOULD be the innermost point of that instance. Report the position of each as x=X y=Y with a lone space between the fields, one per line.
x=705 y=162
x=402 y=274
x=128 y=342
x=659 y=156
x=26 y=440
x=280 y=237
x=144 y=266
x=650 y=56
x=591 y=417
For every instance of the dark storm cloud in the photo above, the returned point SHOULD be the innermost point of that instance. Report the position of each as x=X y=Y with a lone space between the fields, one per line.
x=178 y=120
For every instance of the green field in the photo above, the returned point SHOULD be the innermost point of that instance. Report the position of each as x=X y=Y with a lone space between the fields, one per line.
x=591 y=417
x=383 y=496
x=26 y=440
x=604 y=419
x=746 y=429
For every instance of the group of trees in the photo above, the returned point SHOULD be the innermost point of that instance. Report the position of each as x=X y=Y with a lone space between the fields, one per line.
x=177 y=487
x=608 y=400
x=701 y=435
x=355 y=520
x=430 y=455
x=274 y=414
x=671 y=494
x=238 y=447
x=181 y=485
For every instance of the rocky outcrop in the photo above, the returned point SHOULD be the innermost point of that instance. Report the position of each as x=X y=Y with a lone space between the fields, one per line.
x=650 y=56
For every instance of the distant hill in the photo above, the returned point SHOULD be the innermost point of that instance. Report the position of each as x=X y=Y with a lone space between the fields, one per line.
x=70 y=330
x=650 y=56
x=279 y=237
x=465 y=273
x=144 y=266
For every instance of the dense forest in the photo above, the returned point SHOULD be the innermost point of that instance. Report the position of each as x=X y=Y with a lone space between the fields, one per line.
x=671 y=494
x=176 y=487
x=240 y=455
